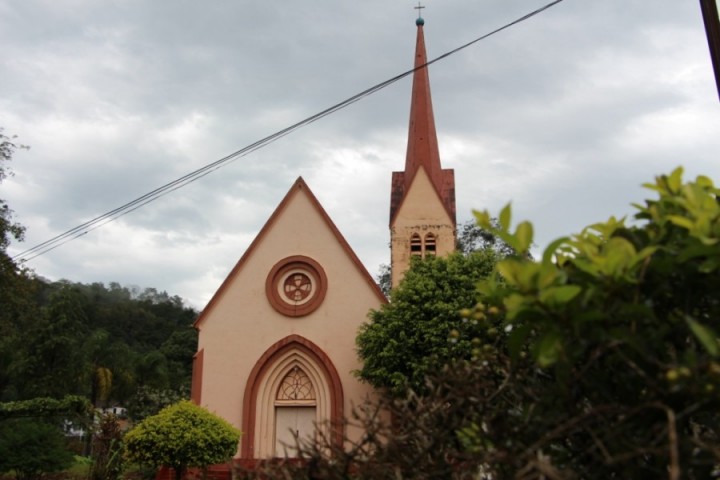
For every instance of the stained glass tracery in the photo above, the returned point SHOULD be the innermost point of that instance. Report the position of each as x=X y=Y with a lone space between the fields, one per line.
x=296 y=386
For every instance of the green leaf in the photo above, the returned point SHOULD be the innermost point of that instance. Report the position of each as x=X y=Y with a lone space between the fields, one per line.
x=694 y=251
x=483 y=219
x=556 y=296
x=509 y=269
x=524 y=236
x=674 y=180
x=619 y=256
x=514 y=303
x=681 y=221
x=705 y=335
x=505 y=217
x=550 y=250
x=548 y=349
x=704 y=181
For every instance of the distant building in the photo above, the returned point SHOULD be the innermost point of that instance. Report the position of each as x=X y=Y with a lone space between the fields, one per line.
x=79 y=430
x=276 y=347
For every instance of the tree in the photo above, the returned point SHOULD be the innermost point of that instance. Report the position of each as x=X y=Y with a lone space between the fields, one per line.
x=53 y=363
x=96 y=341
x=408 y=337
x=384 y=279
x=181 y=436
x=16 y=306
x=471 y=237
x=30 y=448
x=179 y=350
x=8 y=228
x=612 y=360
x=148 y=401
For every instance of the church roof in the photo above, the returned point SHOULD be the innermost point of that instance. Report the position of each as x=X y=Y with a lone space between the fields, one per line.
x=298 y=188
x=422 y=146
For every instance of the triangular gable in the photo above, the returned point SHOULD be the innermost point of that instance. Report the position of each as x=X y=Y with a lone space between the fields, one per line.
x=446 y=197
x=298 y=188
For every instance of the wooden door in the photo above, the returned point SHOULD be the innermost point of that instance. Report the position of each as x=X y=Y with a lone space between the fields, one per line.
x=291 y=421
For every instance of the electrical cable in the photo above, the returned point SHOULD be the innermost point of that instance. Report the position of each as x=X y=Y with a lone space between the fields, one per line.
x=112 y=215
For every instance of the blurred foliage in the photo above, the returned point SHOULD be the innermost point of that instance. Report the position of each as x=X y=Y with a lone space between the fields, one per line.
x=611 y=350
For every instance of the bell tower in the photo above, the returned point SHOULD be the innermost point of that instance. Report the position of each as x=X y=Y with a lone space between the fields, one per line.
x=422 y=198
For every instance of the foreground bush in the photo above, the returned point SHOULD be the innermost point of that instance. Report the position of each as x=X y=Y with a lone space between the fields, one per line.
x=181 y=436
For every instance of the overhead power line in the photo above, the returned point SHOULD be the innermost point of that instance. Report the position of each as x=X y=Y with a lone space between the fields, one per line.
x=191 y=177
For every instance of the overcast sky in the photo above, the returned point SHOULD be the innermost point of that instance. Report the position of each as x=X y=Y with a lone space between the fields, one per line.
x=565 y=115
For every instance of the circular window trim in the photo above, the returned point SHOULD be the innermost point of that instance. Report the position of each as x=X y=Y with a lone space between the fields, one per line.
x=300 y=264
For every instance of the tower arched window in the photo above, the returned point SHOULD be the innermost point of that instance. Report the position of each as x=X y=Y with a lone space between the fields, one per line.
x=416 y=245
x=430 y=244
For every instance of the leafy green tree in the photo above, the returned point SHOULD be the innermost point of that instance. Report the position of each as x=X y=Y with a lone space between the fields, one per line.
x=149 y=401
x=612 y=360
x=181 y=436
x=408 y=337
x=17 y=308
x=151 y=370
x=471 y=237
x=8 y=228
x=52 y=363
x=179 y=350
x=384 y=279
x=32 y=448
x=112 y=342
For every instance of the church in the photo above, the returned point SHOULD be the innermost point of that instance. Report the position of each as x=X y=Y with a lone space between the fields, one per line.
x=276 y=348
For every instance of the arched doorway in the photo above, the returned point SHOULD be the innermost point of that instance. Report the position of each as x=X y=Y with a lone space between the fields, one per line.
x=295 y=411
x=293 y=389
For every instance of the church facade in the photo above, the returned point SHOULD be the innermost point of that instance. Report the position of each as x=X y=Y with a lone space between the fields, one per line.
x=276 y=348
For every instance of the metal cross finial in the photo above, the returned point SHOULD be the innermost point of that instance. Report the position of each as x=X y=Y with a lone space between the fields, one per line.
x=419 y=8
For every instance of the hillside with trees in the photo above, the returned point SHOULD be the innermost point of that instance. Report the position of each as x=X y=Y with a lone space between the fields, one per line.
x=108 y=343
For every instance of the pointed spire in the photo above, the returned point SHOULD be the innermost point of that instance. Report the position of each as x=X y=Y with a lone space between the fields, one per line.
x=422 y=147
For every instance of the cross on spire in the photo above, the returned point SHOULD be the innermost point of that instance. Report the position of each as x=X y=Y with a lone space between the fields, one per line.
x=419 y=9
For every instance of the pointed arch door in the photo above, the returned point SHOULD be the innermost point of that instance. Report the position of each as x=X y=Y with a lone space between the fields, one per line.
x=295 y=412
x=293 y=389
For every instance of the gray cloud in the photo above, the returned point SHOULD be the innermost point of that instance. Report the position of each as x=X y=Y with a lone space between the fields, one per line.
x=565 y=115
